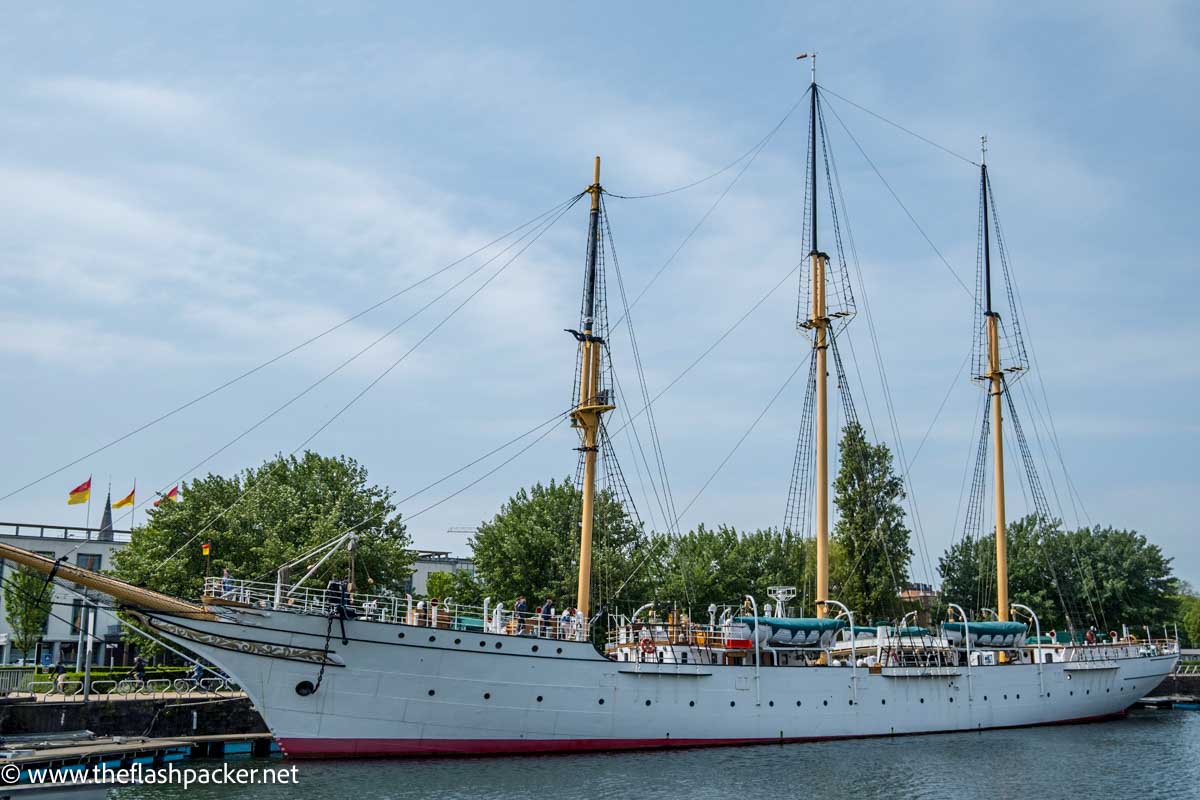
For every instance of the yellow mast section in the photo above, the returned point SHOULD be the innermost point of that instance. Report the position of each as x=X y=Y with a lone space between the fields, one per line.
x=592 y=405
x=995 y=376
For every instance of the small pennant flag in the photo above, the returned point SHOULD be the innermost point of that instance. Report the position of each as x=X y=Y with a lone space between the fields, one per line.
x=126 y=501
x=80 y=494
x=171 y=495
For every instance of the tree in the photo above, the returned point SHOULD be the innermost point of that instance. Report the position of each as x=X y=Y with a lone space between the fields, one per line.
x=721 y=565
x=871 y=539
x=531 y=547
x=27 y=607
x=1097 y=576
x=1190 y=616
x=259 y=519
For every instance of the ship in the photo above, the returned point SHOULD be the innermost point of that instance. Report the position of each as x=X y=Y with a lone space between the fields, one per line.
x=336 y=673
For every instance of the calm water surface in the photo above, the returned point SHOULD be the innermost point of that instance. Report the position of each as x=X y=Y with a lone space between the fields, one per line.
x=1151 y=754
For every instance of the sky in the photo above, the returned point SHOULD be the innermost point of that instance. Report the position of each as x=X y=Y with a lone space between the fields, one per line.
x=187 y=192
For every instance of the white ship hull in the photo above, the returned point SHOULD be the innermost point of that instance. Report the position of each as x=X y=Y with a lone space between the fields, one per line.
x=400 y=690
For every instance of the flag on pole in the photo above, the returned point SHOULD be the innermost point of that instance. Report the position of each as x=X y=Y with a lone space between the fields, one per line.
x=171 y=495
x=81 y=493
x=206 y=549
x=126 y=501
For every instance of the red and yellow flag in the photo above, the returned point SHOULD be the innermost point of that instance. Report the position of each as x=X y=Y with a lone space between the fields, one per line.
x=126 y=501
x=80 y=493
x=171 y=495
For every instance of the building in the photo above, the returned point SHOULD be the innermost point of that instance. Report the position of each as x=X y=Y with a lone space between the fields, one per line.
x=431 y=561
x=93 y=549
x=89 y=548
x=920 y=597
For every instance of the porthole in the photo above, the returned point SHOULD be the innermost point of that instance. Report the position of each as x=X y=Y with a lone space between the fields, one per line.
x=1089 y=691
x=771 y=703
x=539 y=698
x=732 y=703
x=559 y=651
x=1018 y=697
x=1072 y=694
x=850 y=702
x=305 y=688
x=1005 y=697
x=400 y=635
x=798 y=704
x=499 y=645
x=647 y=702
x=985 y=698
x=692 y=703
x=824 y=702
x=883 y=701
x=482 y=643
x=431 y=692
x=951 y=699
x=458 y=641
x=601 y=701
x=433 y=638
x=1106 y=691
x=535 y=648
x=487 y=695
x=922 y=699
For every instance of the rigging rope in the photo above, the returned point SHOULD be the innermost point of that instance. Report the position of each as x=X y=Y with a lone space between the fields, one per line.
x=748 y=154
x=897 y=125
x=205 y=395
x=252 y=487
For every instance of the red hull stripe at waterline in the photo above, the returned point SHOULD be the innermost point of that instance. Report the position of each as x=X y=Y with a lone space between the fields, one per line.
x=374 y=748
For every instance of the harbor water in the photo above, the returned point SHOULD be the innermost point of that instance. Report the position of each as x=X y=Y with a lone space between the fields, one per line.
x=1150 y=754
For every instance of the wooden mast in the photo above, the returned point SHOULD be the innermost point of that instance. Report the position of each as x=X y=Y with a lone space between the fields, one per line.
x=818 y=321
x=995 y=376
x=592 y=401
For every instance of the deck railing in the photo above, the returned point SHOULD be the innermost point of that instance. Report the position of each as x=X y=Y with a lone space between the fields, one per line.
x=394 y=608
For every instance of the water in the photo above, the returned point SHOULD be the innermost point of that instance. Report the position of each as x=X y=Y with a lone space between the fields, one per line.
x=1150 y=754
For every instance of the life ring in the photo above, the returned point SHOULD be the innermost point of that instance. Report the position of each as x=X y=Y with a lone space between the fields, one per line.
x=648 y=647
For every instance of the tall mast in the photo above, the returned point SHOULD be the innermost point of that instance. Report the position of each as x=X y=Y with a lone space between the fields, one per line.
x=592 y=401
x=995 y=376
x=819 y=322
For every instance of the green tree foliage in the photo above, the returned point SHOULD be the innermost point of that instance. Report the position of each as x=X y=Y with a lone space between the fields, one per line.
x=532 y=548
x=26 y=607
x=1103 y=575
x=288 y=506
x=720 y=565
x=872 y=542
x=1189 y=614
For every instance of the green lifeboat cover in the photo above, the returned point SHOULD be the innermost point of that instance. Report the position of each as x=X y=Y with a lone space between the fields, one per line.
x=806 y=624
x=988 y=628
x=913 y=630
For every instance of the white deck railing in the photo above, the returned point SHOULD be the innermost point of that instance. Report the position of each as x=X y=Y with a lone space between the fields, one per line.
x=396 y=609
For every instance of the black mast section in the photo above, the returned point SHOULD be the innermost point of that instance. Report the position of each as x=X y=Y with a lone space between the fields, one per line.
x=987 y=247
x=589 y=287
x=812 y=160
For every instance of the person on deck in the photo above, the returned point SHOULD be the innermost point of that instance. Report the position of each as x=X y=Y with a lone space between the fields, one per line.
x=226 y=583
x=519 y=609
x=566 y=624
x=544 y=617
x=1090 y=636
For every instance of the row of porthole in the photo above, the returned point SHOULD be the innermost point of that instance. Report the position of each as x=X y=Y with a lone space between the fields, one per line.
x=483 y=643
x=771 y=703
